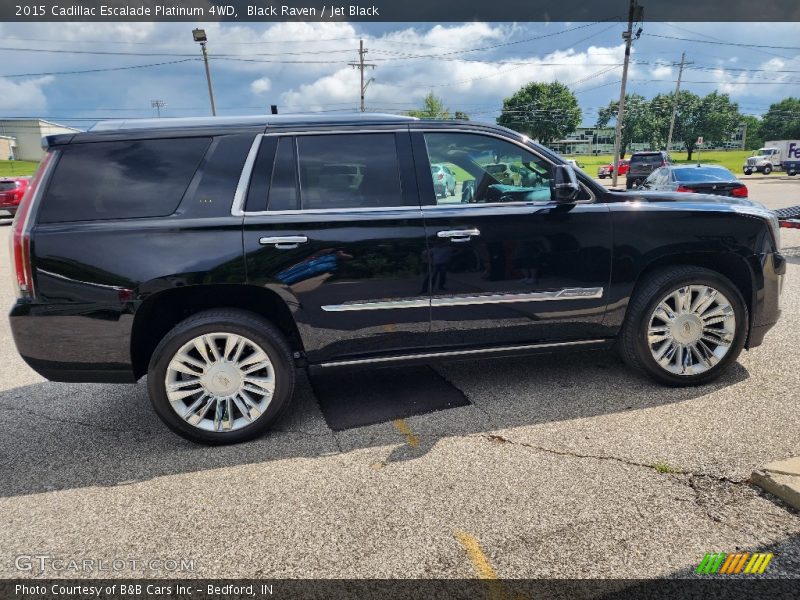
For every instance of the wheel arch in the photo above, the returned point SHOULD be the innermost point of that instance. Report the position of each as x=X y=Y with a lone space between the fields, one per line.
x=732 y=266
x=161 y=311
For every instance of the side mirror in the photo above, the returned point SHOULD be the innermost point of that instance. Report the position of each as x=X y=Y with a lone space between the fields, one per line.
x=565 y=184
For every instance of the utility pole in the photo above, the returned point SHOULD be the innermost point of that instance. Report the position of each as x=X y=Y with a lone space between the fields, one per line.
x=744 y=135
x=675 y=100
x=158 y=105
x=361 y=65
x=634 y=14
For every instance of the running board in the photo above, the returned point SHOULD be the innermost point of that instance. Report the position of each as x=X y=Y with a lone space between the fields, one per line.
x=477 y=352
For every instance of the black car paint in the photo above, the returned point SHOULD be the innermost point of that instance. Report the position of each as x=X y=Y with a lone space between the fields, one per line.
x=93 y=279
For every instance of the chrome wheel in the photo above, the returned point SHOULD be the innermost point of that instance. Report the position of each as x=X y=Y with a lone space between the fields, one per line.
x=220 y=382
x=691 y=330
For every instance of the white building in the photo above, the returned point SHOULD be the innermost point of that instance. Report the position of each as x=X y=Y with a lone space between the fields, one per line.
x=28 y=134
x=8 y=147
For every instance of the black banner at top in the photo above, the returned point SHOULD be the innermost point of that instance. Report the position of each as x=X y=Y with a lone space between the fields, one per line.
x=397 y=10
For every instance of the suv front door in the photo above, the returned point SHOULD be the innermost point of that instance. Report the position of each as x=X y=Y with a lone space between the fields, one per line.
x=511 y=267
x=332 y=224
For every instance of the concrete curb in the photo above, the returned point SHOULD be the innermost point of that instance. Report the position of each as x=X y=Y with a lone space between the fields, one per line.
x=781 y=478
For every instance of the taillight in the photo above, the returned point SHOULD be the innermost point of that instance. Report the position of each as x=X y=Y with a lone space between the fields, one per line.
x=683 y=188
x=21 y=233
x=739 y=192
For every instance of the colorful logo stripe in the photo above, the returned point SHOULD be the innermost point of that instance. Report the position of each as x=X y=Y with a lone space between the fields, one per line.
x=734 y=564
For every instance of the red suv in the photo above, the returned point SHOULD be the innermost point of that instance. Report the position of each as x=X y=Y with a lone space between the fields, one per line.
x=11 y=191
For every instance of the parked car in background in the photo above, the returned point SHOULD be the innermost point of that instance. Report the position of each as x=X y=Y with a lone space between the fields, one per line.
x=644 y=163
x=217 y=256
x=11 y=191
x=444 y=180
x=772 y=156
x=604 y=171
x=700 y=179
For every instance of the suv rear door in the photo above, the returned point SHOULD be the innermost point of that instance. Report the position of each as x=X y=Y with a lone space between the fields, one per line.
x=512 y=266
x=346 y=253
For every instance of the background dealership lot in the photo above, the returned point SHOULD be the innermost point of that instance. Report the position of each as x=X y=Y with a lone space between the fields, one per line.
x=563 y=466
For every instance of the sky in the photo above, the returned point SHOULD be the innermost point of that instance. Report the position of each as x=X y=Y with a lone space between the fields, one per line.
x=303 y=67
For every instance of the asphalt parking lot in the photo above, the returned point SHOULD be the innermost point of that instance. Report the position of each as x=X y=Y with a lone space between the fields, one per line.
x=561 y=466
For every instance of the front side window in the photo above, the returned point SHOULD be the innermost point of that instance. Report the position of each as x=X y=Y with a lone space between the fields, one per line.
x=349 y=171
x=480 y=169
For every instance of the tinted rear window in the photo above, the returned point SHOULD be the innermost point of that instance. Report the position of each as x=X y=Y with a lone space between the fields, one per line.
x=701 y=174
x=374 y=182
x=647 y=159
x=7 y=185
x=119 y=180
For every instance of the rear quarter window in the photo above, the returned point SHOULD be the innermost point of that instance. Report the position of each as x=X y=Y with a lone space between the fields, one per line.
x=121 y=180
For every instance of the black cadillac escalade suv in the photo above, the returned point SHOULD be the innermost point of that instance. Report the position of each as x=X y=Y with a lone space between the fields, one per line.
x=218 y=255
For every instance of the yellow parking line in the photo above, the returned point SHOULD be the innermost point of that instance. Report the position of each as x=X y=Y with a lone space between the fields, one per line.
x=403 y=428
x=476 y=556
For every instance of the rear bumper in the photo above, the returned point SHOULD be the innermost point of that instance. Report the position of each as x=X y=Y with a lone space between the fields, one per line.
x=73 y=343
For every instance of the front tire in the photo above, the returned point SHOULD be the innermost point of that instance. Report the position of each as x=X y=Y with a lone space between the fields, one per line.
x=684 y=326
x=767 y=170
x=221 y=376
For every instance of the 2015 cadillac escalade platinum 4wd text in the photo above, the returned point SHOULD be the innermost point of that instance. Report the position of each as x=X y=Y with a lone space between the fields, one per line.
x=218 y=255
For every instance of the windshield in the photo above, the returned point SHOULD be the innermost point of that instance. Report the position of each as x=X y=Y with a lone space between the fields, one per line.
x=703 y=174
x=765 y=152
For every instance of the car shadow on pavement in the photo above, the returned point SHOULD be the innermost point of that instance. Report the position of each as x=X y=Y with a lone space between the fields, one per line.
x=59 y=436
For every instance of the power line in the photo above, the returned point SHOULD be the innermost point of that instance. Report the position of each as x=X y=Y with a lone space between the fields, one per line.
x=159 y=64
x=722 y=43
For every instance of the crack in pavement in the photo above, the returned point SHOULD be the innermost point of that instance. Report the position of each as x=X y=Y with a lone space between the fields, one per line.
x=722 y=479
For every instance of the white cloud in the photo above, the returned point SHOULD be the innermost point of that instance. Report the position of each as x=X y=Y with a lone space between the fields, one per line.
x=259 y=86
x=661 y=71
x=27 y=94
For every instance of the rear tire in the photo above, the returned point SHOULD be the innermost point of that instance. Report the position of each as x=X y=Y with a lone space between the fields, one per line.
x=231 y=376
x=699 y=344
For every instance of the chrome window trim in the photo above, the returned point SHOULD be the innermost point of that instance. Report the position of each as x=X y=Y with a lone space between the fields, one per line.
x=562 y=294
x=446 y=353
x=240 y=195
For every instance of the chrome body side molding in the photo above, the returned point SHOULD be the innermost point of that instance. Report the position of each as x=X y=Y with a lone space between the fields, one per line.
x=563 y=294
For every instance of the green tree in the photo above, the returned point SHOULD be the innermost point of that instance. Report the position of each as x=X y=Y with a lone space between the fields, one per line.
x=637 y=122
x=782 y=120
x=713 y=117
x=543 y=111
x=754 y=139
x=433 y=108
x=461 y=115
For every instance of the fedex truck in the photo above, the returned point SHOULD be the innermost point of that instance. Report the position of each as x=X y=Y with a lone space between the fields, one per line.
x=778 y=155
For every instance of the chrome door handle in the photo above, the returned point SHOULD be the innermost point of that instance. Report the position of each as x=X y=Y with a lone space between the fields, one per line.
x=284 y=242
x=459 y=235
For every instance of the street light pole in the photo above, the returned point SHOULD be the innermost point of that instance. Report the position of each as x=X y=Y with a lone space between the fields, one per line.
x=634 y=11
x=200 y=37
